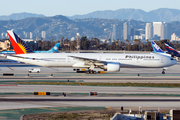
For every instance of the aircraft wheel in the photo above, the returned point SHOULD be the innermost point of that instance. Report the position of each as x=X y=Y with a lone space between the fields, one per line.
x=94 y=72
x=163 y=72
x=91 y=72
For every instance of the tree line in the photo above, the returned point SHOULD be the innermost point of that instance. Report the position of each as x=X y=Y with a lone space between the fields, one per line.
x=136 y=45
x=95 y=44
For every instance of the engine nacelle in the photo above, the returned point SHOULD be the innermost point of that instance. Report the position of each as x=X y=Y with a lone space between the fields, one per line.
x=112 y=67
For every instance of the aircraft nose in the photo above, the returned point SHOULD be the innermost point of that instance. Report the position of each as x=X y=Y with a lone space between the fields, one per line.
x=173 y=62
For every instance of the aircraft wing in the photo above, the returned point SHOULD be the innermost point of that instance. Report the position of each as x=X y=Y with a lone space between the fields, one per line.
x=90 y=62
x=88 y=59
x=94 y=63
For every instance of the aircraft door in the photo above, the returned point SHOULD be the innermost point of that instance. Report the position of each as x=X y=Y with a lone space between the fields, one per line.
x=162 y=61
x=100 y=57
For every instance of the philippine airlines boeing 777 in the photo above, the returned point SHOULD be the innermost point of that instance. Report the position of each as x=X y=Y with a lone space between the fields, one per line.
x=111 y=62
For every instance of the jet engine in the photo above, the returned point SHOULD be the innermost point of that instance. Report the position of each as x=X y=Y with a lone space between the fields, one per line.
x=112 y=67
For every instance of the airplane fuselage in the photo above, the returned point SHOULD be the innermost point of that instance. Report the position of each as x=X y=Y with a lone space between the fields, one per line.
x=66 y=59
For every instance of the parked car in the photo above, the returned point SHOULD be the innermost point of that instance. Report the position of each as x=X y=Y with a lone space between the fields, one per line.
x=35 y=70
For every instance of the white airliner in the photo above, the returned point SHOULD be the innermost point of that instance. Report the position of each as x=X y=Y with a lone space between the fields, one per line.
x=111 y=62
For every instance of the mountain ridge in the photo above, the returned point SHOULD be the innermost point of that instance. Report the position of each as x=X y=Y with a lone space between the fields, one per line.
x=19 y=16
x=161 y=14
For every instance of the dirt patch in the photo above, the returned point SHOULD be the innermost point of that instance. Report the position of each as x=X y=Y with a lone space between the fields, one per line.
x=73 y=115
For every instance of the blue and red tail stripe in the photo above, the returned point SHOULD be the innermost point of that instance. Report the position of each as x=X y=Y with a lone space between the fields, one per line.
x=170 y=48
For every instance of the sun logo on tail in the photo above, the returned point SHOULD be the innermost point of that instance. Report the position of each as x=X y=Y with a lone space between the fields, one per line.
x=22 y=48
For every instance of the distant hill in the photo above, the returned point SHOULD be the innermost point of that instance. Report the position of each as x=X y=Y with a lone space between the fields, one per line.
x=19 y=16
x=162 y=14
x=58 y=26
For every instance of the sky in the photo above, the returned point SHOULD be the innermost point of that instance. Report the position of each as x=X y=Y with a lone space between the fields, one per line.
x=80 y=7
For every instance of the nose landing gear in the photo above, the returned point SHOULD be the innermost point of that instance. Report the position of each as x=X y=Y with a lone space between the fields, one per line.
x=163 y=71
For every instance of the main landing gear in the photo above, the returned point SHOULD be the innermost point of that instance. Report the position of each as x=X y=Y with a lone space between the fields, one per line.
x=89 y=71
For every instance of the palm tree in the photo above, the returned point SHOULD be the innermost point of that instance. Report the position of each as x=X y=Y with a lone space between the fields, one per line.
x=127 y=41
x=117 y=41
x=147 y=40
x=109 y=43
x=97 y=42
x=105 y=41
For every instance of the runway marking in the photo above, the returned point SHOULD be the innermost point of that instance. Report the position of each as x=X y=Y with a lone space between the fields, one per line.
x=11 y=69
x=49 y=109
x=8 y=85
x=9 y=112
x=108 y=107
x=20 y=93
x=2 y=117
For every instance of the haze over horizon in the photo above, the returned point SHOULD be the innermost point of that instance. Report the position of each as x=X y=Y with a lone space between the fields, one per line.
x=80 y=7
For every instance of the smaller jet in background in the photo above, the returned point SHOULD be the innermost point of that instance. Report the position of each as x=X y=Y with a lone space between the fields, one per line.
x=171 y=50
x=53 y=49
x=158 y=50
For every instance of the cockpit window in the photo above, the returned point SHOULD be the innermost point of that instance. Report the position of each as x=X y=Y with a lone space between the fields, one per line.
x=172 y=59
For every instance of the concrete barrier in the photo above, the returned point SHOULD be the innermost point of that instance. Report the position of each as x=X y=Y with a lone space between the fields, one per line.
x=8 y=74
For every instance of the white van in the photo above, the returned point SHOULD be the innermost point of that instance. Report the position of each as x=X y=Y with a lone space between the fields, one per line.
x=36 y=70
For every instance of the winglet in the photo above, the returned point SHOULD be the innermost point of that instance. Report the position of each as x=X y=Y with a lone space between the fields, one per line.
x=156 y=48
x=18 y=45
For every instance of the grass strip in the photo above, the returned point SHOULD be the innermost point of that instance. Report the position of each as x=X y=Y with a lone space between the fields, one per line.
x=105 y=84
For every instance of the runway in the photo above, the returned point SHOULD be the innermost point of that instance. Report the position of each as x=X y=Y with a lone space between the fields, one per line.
x=95 y=99
x=13 y=96
x=90 y=101
x=78 y=96
x=101 y=78
x=86 y=89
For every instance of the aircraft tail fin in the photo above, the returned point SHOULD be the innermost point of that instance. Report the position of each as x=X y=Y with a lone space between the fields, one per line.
x=156 y=48
x=55 y=48
x=170 y=49
x=18 y=45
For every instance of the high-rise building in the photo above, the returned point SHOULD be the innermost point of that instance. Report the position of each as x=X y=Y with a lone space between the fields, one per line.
x=126 y=30
x=167 y=31
x=114 y=33
x=132 y=33
x=43 y=34
x=2 y=35
x=30 y=35
x=149 y=31
x=162 y=31
x=157 y=30
x=174 y=37
x=24 y=34
x=117 y=32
